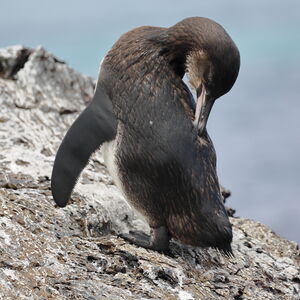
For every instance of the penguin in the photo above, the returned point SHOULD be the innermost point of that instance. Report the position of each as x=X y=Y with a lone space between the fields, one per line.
x=153 y=133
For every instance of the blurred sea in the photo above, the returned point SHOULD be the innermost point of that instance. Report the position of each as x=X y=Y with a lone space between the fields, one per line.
x=255 y=127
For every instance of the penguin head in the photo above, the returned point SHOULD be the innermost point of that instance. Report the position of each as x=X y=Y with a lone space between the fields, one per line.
x=209 y=57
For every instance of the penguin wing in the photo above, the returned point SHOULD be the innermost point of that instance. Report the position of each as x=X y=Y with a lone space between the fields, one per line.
x=94 y=126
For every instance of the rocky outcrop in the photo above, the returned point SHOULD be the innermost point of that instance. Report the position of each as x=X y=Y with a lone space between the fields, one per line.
x=74 y=252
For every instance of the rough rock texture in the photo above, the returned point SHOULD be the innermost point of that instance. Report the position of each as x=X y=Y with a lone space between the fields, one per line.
x=74 y=253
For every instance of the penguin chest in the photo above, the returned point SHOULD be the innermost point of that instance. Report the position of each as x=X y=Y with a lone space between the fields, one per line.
x=109 y=152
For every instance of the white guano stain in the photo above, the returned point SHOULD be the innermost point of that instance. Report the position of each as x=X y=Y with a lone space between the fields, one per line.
x=183 y=295
x=10 y=273
x=5 y=237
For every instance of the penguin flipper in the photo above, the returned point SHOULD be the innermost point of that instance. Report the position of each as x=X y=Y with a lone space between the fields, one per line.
x=94 y=126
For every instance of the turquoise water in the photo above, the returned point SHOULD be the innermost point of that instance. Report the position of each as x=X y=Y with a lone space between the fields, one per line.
x=255 y=128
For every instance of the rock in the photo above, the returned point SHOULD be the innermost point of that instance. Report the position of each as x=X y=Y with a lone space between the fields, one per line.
x=74 y=252
x=12 y=59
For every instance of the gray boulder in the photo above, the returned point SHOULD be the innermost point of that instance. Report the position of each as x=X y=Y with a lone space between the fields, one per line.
x=74 y=252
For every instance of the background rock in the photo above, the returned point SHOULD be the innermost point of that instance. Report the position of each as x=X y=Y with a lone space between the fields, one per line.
x=74 y=253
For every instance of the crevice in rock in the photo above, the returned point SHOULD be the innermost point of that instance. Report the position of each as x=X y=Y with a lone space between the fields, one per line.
x=8 y=69
x=296 y=280
x=239 y=295
x=20 y=61
x=21 y=106
x=168 y=276
x=67 y=111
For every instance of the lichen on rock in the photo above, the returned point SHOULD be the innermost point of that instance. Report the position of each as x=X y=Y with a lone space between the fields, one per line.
x=74 y=252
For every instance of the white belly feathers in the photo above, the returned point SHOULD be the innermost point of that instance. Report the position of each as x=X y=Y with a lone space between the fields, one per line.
x=109 y=151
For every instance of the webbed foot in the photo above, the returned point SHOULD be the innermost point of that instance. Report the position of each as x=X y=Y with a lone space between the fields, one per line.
x=158 y=240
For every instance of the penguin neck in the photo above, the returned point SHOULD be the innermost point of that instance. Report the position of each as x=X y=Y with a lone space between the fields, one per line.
x=175 y=54
x=176 y=47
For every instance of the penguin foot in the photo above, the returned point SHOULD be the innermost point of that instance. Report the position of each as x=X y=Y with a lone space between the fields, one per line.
x=138 y=238
x=158 y=240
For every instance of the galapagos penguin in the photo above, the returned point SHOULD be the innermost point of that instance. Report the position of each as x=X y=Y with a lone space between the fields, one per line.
x=154 y=136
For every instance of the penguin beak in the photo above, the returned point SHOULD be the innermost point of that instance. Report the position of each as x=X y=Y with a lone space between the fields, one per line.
x=203 y=108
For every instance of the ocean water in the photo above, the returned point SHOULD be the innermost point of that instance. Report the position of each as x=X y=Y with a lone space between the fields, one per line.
x=255 y=127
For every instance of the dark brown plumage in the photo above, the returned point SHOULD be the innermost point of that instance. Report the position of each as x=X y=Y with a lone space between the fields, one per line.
x=163 y=158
